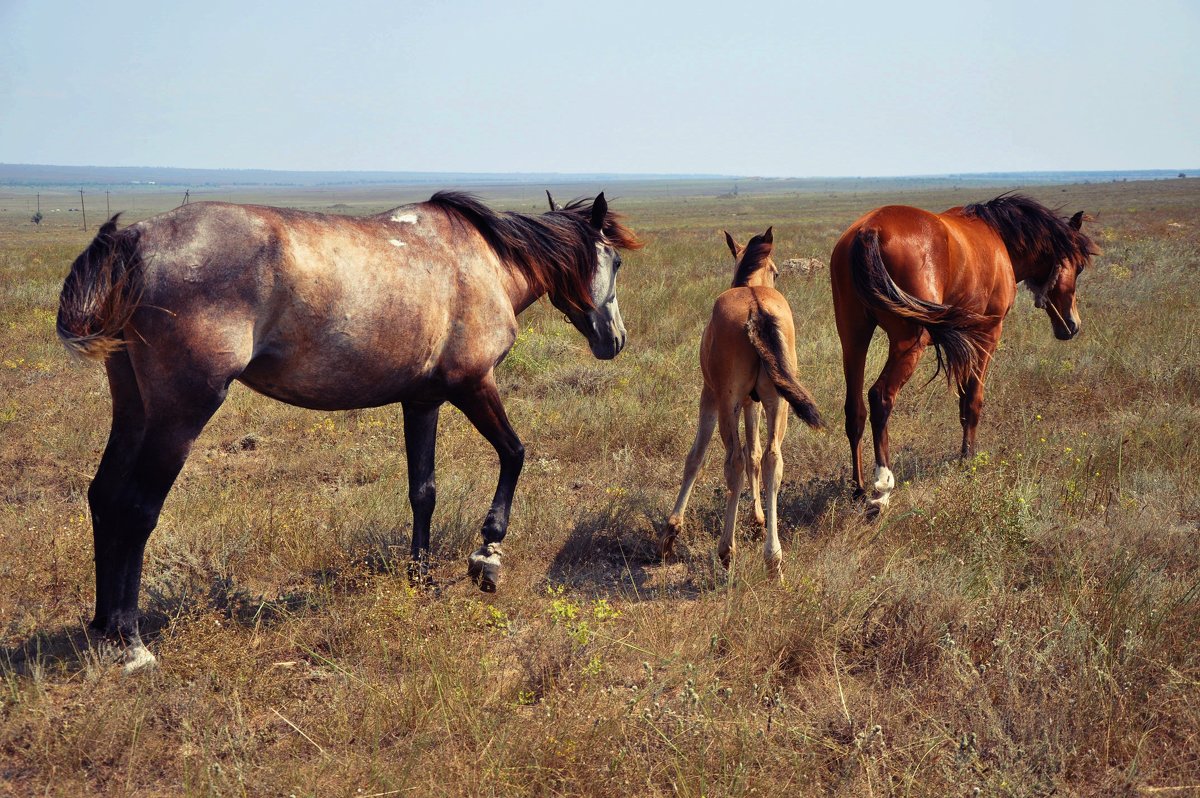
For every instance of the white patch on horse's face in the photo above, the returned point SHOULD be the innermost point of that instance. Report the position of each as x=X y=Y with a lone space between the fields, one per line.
x=405 y=218
x=603 y=326
x=395 y=242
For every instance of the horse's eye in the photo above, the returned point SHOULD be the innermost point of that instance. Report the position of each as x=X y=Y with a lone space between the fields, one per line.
x=616 y=262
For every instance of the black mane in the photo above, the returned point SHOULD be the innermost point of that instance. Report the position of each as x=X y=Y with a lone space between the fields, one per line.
x=1033 y=232
x=556 y=251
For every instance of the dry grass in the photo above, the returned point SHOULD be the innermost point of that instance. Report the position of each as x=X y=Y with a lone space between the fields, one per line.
x=1024 y=624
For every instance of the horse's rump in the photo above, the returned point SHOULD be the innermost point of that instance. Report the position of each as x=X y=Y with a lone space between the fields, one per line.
x=956 y=332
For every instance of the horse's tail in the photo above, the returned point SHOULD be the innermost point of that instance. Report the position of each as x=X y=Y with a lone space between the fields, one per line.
x=101 y=293
x=766 y=338
x=957 y=333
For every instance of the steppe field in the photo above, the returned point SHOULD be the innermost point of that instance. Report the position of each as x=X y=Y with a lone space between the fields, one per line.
x=1026 y=623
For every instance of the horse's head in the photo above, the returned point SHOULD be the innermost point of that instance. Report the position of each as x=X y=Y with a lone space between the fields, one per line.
x=1056 y=295
x=601 y=324
x=752 y=263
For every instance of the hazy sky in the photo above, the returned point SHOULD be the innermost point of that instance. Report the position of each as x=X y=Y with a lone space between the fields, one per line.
x=752 y=88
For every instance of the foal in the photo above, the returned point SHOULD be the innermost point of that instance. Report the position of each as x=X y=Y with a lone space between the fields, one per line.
x=748 y=357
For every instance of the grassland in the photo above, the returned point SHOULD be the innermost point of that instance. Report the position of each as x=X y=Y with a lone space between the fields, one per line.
x=1023 y=624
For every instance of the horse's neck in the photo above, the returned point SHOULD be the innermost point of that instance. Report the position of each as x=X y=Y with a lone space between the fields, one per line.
x=761 y=279
x=1028 y=269
x=518 y=289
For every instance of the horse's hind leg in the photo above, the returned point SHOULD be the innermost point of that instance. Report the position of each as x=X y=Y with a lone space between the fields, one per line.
x=727 y=421
x=855 y=336
x=131 y=497
x=903 y=355
x=124 y=441
x=691 y=468
x=753 y=452
x=420 y=434
x=482 y=406
x=777 y=421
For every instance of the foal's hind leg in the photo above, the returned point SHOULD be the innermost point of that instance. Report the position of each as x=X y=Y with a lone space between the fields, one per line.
x=482 y=407
x=777 y=421
x=753 y=452
x=695 y=458
x=727 y=421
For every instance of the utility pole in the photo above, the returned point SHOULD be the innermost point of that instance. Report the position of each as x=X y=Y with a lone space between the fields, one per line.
x=83 y=210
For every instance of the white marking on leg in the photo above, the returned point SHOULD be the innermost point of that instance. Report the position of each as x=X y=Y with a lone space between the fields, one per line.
x=395 y=242
x=137 y=657
x=405 y=218
x=885 y=482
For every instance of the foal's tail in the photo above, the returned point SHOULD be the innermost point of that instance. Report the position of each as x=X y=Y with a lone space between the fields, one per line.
x=765 y=336
x=101 y=293
x=956 y=332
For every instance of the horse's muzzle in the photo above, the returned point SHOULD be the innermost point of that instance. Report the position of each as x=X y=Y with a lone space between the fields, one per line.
x=607 y=349
x=1067 y=332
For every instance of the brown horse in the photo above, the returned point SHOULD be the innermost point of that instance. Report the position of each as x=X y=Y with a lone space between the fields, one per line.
x=948 y=279
x=416 y=305
x=748 y=357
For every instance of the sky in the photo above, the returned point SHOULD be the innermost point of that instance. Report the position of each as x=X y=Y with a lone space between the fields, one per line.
x=791 y=89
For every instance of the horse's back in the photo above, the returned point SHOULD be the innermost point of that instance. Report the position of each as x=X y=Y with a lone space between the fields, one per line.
x=935 y=257
x=320 y=310
x=728 y=358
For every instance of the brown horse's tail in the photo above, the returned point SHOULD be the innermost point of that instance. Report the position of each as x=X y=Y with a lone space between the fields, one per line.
x=765 y=336
x=101 y=293
x=956 y=332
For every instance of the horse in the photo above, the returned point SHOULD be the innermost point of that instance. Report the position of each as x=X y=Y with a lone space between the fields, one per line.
x=748 y=359
x=949 y=280
x=415 y=305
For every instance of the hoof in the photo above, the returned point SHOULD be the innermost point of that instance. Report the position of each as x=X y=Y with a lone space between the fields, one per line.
x=138 y=657
x=885 y=483
x=132 y=657
x=774 y=563
x=726 y=558
x=418 y=573
x=484 y=567
x=666 y=544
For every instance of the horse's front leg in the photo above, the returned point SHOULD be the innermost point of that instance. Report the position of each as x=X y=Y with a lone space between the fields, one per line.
x=481 y=404
x=970 y=398
x=420 y=440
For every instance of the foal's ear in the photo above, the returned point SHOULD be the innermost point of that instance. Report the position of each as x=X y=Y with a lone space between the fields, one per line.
x=599 y=211
x=733 y=247
x=554 y=206
x=1076 y=221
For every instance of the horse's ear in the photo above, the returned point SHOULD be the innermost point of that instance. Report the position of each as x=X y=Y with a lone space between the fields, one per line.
x=599 y=211
x=733 y=247
x=1076 y=221
x=768 y=237
x=554 y=206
